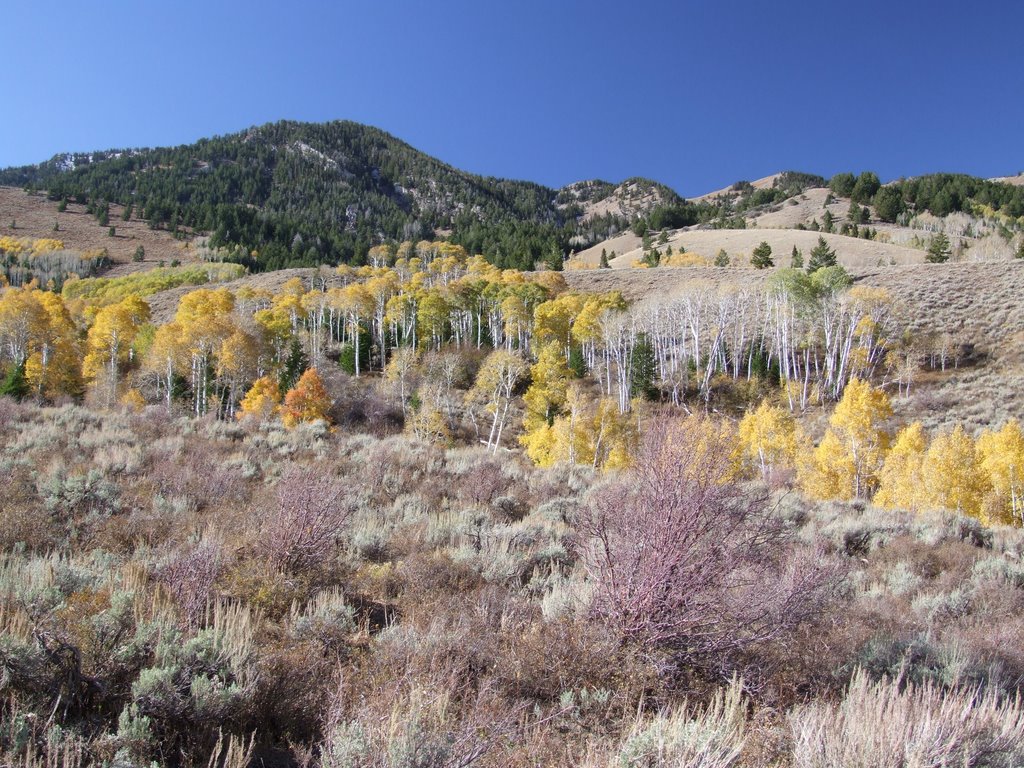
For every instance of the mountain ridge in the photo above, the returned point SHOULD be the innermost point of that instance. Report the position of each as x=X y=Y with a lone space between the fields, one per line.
x=290 y=194
x=324 y=192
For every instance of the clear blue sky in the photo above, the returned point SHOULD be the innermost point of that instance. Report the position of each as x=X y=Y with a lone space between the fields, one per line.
x=694 y=94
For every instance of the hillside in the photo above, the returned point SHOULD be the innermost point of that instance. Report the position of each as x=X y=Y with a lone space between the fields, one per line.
x=293 y=194
x=304 y=194
x=738 y=244
x=35 y=216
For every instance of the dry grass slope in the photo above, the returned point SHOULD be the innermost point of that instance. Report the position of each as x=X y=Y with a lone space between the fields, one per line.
x=34 y=216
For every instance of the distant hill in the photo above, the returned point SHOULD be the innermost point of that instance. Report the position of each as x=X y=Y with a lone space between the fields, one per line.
x=293 y=194
x=303 y=194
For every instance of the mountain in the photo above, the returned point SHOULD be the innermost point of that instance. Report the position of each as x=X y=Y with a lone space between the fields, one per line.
x=304 y=194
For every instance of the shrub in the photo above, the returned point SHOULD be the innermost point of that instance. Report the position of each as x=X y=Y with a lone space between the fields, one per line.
x=685 y=558
x=712 y=738
x=312 y=512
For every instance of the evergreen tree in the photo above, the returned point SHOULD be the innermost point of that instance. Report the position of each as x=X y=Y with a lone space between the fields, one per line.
x=827 y=221
x=644 y=369
x=577 y=362
x=604 y=259
x=761 y=258
x=14 y=383
x=889 y=203
x=821 y=256
x=796 y=259
x=866 y=187
x=722 y=258
x=294 y=366
x=554 y=260
x=939 y=250
x=842 y=184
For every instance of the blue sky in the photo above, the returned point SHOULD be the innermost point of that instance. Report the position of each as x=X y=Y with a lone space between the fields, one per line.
x=694 y=94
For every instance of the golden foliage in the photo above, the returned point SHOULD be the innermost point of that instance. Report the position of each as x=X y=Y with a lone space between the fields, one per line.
x=953 y=474
x=261 y=401
x=1002 y=460
x=847 y=461
x=901 y=479
x=767 y=440
x=308 y=400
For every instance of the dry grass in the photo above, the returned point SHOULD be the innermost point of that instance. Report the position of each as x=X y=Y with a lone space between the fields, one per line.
x=35 y=215
x=879 y=724
x=853 y=253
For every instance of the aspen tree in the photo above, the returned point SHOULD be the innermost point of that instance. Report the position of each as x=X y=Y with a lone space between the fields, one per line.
x=308 y=400
x=261 y=401
x=847 y=461
x=953 y=474
x=1002 y=459
x=768 y=439
x=901 y=480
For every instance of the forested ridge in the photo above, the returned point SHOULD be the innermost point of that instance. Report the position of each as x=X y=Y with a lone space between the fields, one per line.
x=300 y=194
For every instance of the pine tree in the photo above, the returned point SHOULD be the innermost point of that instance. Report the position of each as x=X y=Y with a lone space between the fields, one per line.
x=939 y=250
x=761 y=258
x=854 y=213
x=555 y=259
x=722 y=258
x=14 y=383
x=827 y=221
x=644 y=367
x=821 y=256
x=796 y=259
x=294 y=365
x=604 y=259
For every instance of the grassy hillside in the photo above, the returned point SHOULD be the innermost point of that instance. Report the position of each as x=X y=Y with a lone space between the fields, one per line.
x=35 y=216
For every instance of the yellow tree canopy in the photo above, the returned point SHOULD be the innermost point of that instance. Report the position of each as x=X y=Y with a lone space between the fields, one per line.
x=546 y=393
x=953 y=474
x=1002 y=460
x=308 y=400
x=847 y=462
x=901 y=479
x=261 y=401
x=110 y=337
x=768 y=439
